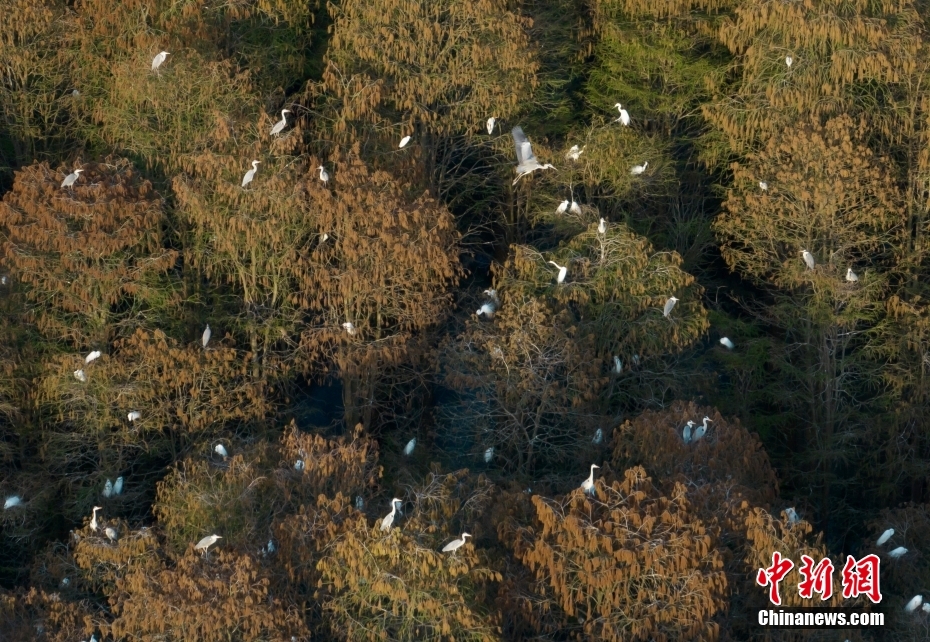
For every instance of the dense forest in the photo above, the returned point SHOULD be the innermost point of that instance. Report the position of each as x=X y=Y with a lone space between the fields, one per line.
x=631 y=293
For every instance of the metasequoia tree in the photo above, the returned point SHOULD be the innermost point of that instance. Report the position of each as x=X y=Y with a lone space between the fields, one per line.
x=627 y=564
x=90 y=255
x=27 y=614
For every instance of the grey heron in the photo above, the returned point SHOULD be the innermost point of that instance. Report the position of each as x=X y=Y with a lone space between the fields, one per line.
x=701 y=430
x=389 y=518
x=455 y=544
x=527 y=162
x=281 y=124
x=686 y=432
x=93 y=518
x=71 y=178
x=110 y=532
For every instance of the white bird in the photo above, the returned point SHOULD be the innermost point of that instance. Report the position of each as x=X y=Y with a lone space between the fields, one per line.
x=11 y=501
x=588 y=484
x=75 y=93
x=455 y=544
x=489 y=455
x=792 y=516
x=686 y=432
x=788 y=61
x=598 y=437
x=701 y=430
x=281 y=124
x=914 y=603
x=527 y=163
x=206 y=543
x=562 y=272
x=403 y=142
x=108 y=489
x=132 y=416
x=763 y=186
x=618 y=365
x=93 y=356
x=408 y=449
x=220 y=450
x=299 y=465
x=487 y=309
x=491 y=292
x=624 y=116
x=110 y=532
x=574 y=153
x=808 y=259
x=635 y=359
x=602 y=226
x=71 y=178
x=885 y=537
x=205 y=338
x=667 y=310
x=93 y=518
x=249 y=175
x=350 y=328
x=639 y=169
x=158 y=60
x=490 y=125
x=574 y=208
x=80 y=376
x=65 y=581
x=118 y=486
x=561 y=209
x=389 y=518
x=725 y=341
x=359 y=502
x=271 y=547
x=898 y=552
x=324 y=175
x=324 y=237
x=851 y=276
x=926 y=607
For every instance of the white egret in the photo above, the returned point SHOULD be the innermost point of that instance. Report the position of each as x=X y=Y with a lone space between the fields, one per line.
x=574 y=153
x=527 y=162
x=562 y=208
x=108 y=489
x=808 y=259
x=408 y=449
x=118 y=486
x=205 y=338
x=725 y=341
x=487 y=309
x=93 y=518
x=667 y=310
x=11 y=501
x=132 y=416
x=389 y=518
x=455 y=544
x=588 y=484
x=789 y=61
x=158 y=60
x=885 y=537
x=75 y=93
x=220 y=450
x=206 y=543
x=490 y=125
x=898 y=552
x=71 y=178
x=299 y=465
x=359 y=502
x=701 y=430
x=92 y=356
x=763 y=186
x=80 y=376
x=281 y=124
x=110 y=532
x=249 y=175
x=65 y=581
x=792 y=516
x=4 y=280
x=403 y=142
x=598 y=437
x=562 y=272
x=851 y=276
x=686 y=432
x=926 y=607
x=624 y=116
x=489 y=455
x=639 y=169
x=618 y=365
x=271 y=547
x=574 y=208
x=350 y=328
x=914 y=602
x=602 y=226
x=323 y=238
x=635 y=359
x=491 y=292
x=324 y=175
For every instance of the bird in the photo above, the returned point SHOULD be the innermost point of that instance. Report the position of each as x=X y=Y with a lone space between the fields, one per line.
x=763 y=186
x=93 y=518
x=563 y=206
x=898 y=552
x=914 y=603
x=249 y=175
x=788 y=61
x=220 y=450
x=299 y=465
x=598 y=437
x=281 y=124
x=701 y=430
x=851 y=276
x=574 y=208
x=408 y=449
x=639 y=169
x=667 y=310
x=110 y=532
x=75 y=93
x=350 y=328
x=11 y=501
x=926 y=607
x=602 y=227
x=588 y=484
x=323 y=237
x=618 y=365
x=324 y=175
x=65 y=581
x=206 y=543
x=487 y=309
x=359 y=502
x=624 y=116
x=455 y=544
x=118 y=486
x=93 y=356
x=158 y=60
x=489 y=455
x=808 y=259
x=108 y=489
x=490 y=125
x=885 y=537
x=562 y=272
x=724 y=341
x=389 y=518
x=686 y=432
x=403 y=142
x=80 y=376
x=527 y=162
x=205 y=338
x=132 y=416
x=792 y=516
x=574 y=153
x=71 y=178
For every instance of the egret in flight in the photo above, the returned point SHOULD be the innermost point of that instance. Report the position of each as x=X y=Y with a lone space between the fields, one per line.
x=527 y=162
x=724 y=341
x=132 y=416
x=158 y=60
x=588 y=484
x=93 y=356
x=563 y=270
x=624 y=116
x=206 y=543
x=403 y=142
x=455 y=544
x=885 y=537
x=667 y=310
x=808 y=259
x=389 y=518
x=71 y=178
x=324 y=175
x=851 y=276
x=249 y=175
x=281 y=124
x=408 y=449
x=490 y=125
x=11 y=501
x=639 y=169
x=602 y=227
x=207 y=333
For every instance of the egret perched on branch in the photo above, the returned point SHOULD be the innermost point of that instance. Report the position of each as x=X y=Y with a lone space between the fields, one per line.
x=80 y=376
x=487 y=309
x=389 y=518
x=914 y=603
x=108 y=489
x=93 y=518
x=11 y=501
x=624 y=116
x=403 y=142
x=490 y=125
x=281 y=124
x=408 y=449
x=132 y=416
x=667 y=310
x=763 y=186
x=249 y=175
x=898 y=552
x=885 y=537
x=562 y=272
x=574 y=208
x=639 y=169
x=789 y=61
x=602 y=226
x=527 y=162
x=71 y=178
x=618 y=365
x=489 y=455
x=562 y=208
x=207 y=333
x=350 y=328
x=110 y=532
x=792 y=516
x=455 y=544
x=324 y=175
x=588 y=484
x=359 y=502
x=158 y=60
x=851 y=276
x=598 y=437
x=724 y=341
x=93 y=356
x=686 y=432
x=299 y=465
x=118 y=486
x=220 y=450
x=574 y=153
x=808 y=259
x=701 y=430
x=206 y=543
